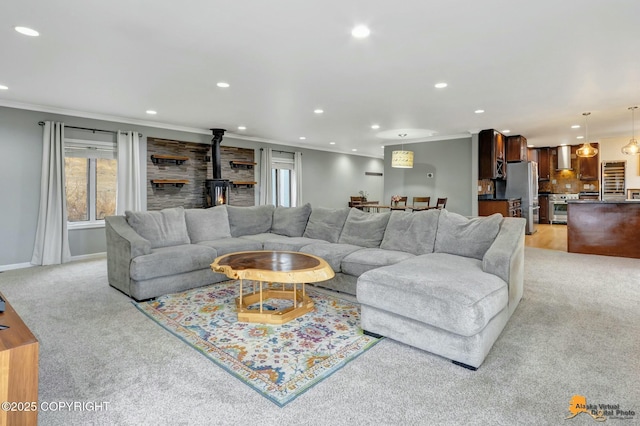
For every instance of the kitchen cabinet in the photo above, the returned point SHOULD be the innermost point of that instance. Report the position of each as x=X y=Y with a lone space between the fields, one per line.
x=491 y=155
x=507 y=208
x=544 y=163
x=543 y=202
x=589 y=166
x=516 y=148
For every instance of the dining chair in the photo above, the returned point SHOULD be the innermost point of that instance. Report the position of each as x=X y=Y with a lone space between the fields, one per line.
x=355 y=201
x=403 y=200
x=417 y=200
x=441 y=203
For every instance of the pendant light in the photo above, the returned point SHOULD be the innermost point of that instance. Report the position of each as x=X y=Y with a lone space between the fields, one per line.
x=632 y=147
x=586 y=150
x=402 y=159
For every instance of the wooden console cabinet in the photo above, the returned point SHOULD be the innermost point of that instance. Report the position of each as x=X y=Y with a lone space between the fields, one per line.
x=18 y=370
x=507 y=208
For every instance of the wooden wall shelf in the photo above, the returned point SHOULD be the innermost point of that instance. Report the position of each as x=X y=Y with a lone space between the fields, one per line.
x=241 y=164
x=175 y=182
x=160 y=158
x=238 y=184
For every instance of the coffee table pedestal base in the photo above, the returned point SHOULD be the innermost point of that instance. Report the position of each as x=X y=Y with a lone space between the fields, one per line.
x=301 y=305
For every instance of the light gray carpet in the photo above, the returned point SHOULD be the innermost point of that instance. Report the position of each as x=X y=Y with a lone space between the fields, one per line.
x=576 y=331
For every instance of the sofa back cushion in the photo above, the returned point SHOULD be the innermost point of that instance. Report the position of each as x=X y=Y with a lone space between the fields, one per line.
x=290 y=221
x=207 y=224
x=411 y=232
x=364 y=229
x=466 y=237
x=162 y=228
x=326 y=224
x=250 y=220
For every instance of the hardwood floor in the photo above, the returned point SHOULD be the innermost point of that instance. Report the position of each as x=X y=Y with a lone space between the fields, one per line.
x=553 y=237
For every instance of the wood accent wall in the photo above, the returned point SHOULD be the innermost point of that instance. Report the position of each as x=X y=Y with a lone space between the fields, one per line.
x=196 y=170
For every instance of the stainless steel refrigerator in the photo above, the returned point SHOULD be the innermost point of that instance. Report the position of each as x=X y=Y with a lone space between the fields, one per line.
x=522 y=182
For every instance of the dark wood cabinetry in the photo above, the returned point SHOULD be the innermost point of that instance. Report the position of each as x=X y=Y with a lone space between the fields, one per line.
x=543 y=202
x=507 y=208
x=544 y=164
x=516 y=148
x=491 y=155
x=589 y=166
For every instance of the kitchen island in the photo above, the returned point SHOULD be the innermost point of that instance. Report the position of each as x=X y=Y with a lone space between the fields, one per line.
x=610 y=228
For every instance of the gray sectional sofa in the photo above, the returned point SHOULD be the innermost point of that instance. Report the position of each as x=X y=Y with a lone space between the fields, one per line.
x=431 y=279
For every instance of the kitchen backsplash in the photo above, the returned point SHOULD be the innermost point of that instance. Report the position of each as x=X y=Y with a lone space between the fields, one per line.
x=566 y=181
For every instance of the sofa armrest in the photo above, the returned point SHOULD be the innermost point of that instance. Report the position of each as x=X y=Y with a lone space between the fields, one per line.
x=505 y=258
x=123 y=244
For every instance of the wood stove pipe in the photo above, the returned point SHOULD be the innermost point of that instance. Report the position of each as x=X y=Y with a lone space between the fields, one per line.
x=215 y=152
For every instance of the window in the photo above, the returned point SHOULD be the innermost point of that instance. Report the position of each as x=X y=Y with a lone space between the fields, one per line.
x=283 y=178
x=90 y=181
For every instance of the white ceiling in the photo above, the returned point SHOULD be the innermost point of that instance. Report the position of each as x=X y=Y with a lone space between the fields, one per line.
x=533 y=66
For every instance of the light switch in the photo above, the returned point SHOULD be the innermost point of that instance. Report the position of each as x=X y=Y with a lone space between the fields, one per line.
x=567 y=185
x=479 y=188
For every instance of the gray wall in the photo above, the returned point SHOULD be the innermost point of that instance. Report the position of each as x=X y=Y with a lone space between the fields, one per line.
x=450 y=162
x=328 y=178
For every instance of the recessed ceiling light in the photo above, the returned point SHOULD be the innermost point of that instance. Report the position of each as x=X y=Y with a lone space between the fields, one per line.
x=479 y=111
x=563 y=144
x=530 y=146
x=3 y=87
x=440 y=85
x=318 y=111
x=375 y=126
x=332 y=143
x=302 y=138
x=27 y=31
x=242 y=128
x=579 y=137
x=151 y=112
x=506 y=131
x=354 y=150
x=222 y=84
x=575 y=126
x=360 y=31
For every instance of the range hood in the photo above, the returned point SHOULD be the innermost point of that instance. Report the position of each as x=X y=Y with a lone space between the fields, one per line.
x=564 y=158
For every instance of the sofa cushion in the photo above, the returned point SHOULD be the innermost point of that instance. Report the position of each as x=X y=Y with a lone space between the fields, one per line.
x=412 y=232
x=466 y=237
x=162 y=228
x=442 y=290
x=250 y=220
x=262 y=238
x=332 y=253
x=326 y=224
x=291 y=243
x=165 y=261
x=207 y=224
x=232 y=245
x=291 y=221
x=364 y=229
x=361 y=261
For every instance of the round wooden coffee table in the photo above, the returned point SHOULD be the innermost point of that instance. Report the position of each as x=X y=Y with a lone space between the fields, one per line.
x=287 y=268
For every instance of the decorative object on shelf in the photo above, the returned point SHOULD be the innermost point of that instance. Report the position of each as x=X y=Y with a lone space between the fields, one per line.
x=241 y=164
x=175 y=182
x=632 y=147
x=402 y=159
x=586 y=150
x=364 y=195
x=160 y=158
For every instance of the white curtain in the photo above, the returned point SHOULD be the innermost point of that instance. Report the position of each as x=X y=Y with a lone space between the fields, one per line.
x=129 y=193
x=296 y=197
x=52 y=238
x=266 y=159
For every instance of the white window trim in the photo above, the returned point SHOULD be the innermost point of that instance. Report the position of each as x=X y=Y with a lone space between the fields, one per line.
x=109 y=150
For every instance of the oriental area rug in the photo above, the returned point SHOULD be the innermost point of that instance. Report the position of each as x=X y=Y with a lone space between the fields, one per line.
x=278 y=361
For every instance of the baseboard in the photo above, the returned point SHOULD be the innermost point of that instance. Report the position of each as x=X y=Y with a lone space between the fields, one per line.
x=73 y=259
x=15 y=266
x=89 y=256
